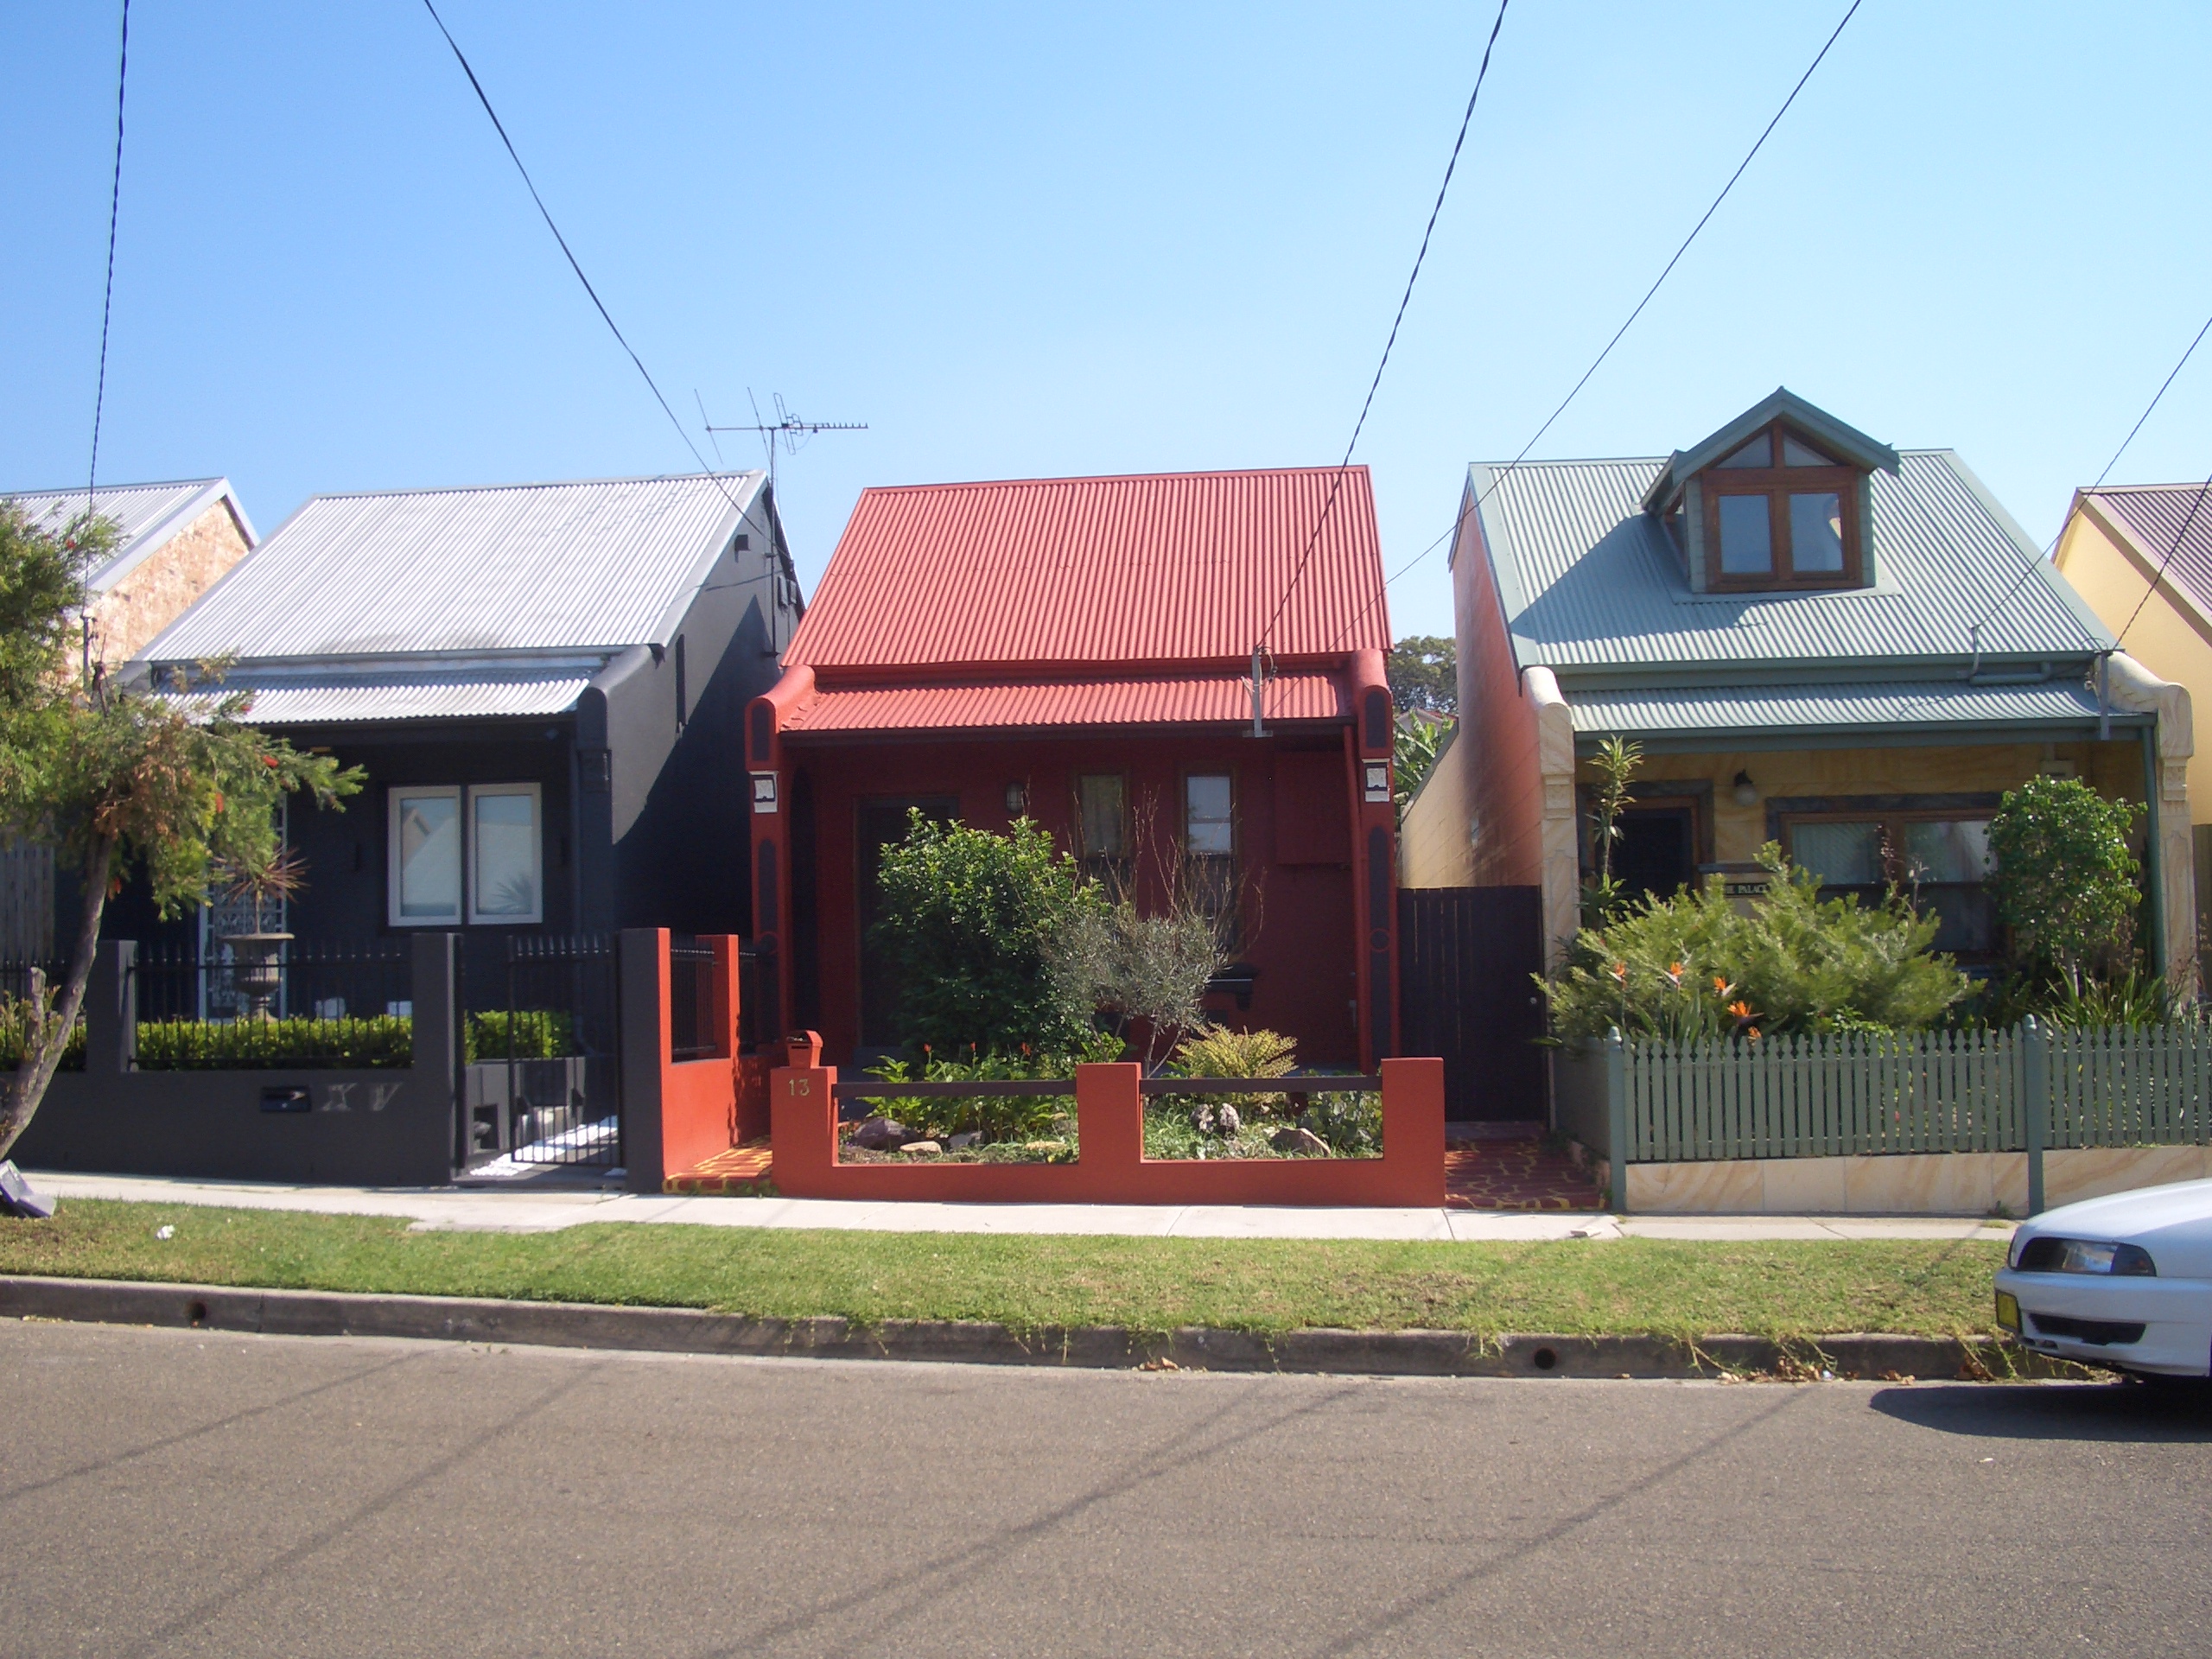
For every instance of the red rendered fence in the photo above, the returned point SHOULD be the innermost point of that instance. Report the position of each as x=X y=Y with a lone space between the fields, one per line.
x=1112 y=1168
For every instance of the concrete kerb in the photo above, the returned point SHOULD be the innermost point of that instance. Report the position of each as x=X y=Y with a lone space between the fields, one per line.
x=690 y=1330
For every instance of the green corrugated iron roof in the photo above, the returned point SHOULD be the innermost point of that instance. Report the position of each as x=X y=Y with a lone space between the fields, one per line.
x=1590 y=582
x=2053 y=709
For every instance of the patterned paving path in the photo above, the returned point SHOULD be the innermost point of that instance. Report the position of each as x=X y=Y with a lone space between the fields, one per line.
x=734 y=1172
x=1516 y=1174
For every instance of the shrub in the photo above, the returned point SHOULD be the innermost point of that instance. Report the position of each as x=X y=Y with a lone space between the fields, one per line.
x=996 y=1118
x=256 y=1045
x=967 y=918
x=537 y=1034
x=1113 y=960
x=15 y=1029
x=2065 y=881
x=1220 y=1052
x=1692 y=966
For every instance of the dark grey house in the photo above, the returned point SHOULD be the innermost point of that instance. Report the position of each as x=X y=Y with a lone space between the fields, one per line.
x=544 y=684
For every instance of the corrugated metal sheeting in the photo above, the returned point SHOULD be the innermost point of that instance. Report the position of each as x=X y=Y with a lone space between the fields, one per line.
x=523 y=567
x=135 y=509
x=1179 y=567
x=353 y=701
x=1211 y=699
x=1774 y=709
x=2159 y=518
x=1588 y=579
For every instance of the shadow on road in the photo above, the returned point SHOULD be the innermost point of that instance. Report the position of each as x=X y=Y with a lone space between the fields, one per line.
x=2179 y=1414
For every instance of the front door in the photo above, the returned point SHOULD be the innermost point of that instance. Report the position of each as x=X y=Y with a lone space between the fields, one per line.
x=1658 y=850
x=881 y=823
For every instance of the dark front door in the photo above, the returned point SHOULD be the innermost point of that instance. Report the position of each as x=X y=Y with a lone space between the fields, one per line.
x=1658 y=850
x=1465 y=960
x=881 y=823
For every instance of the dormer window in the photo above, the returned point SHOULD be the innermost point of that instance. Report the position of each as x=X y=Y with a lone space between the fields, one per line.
x=1781 y=513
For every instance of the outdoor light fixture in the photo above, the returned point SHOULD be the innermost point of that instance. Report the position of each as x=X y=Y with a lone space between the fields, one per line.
x=1747 y=792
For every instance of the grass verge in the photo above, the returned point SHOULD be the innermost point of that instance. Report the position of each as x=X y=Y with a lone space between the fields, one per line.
x=1656 y=1287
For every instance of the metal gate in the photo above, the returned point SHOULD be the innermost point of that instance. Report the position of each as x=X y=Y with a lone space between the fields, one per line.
x=543 y=1082
x=1465 y=955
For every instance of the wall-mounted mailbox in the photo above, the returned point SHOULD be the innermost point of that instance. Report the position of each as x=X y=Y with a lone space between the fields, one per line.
x=279 y=1098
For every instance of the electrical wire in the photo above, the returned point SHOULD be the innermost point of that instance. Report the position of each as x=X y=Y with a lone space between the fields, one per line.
x=1336 y=483
x=1973 y=633
x=107 y=299
x=500 y=127
x=2158 y=576
x=1597 y=362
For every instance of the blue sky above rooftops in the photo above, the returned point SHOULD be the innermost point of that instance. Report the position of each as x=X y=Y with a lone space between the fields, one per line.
x=1033 y=241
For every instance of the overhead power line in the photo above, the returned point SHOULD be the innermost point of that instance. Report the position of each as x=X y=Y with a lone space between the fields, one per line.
x=601 y=305
x=1336 y=483
x=2159 y=575
x=107 y=298
x=1666 y=270
x=1974 y=634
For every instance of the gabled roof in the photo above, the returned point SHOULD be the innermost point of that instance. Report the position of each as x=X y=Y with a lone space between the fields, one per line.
x=1095 y=574
x=2170 y=526
x=1590 y=582
x=511 y=568
x=1845 y=443
x=145 y=516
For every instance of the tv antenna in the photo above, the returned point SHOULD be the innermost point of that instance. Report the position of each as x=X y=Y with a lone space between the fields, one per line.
x=788 y=427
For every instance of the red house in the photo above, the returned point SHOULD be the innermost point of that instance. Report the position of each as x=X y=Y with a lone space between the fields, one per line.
x=1080 y=650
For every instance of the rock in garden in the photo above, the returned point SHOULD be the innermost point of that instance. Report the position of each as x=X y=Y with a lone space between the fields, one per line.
x=921 y=1148
x=965 y=1138
x=880 y=1134
x=1300 y=1143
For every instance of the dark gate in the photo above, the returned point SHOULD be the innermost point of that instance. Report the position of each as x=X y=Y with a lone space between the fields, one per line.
x=1464 y=959
x=542 y=1077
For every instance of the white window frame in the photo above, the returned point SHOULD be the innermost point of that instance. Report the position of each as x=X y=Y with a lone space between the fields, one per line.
x=394 y=795
x=477 y=792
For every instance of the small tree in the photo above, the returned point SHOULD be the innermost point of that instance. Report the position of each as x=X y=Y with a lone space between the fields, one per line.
x=1616 y=760
x=1419 y=743
x=118 y=780
x=1131 y=967
x=1424 y=674
x=967 y=918
x=2065 y=881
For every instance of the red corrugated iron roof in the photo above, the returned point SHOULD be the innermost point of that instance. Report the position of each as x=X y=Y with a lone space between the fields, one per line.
x=1204 y=699
x=1161 y=569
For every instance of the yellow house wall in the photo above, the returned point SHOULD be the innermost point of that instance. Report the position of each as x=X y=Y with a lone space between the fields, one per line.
x=2114 y=769
x=2168 y=636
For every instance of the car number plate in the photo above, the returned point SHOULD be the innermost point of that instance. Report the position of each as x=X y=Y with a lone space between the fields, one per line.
x=2008 y=1312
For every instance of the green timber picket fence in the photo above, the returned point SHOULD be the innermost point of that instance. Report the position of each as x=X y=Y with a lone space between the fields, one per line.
x=2023 y=1089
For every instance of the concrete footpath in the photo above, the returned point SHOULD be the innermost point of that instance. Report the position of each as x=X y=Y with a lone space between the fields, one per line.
x=550 y=1208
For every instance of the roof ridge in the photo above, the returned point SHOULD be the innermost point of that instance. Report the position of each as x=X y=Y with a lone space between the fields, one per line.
x=539 y=484
x=110 y=489
x=1113 y=478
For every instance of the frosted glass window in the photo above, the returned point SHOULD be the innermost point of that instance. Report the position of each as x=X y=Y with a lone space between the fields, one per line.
x=1101 y=802
x=1795 y=454
x=1842 y=854
x=425 y=856
x=1816 y=534
x=506 y=885
x=1946 y=850
x=1747 y=535
x=1759 y=452
x=1206 y=821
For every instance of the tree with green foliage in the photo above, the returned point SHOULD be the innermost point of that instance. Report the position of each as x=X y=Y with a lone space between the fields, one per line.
x=966 y=920
x=1418 y=746
x=1692 y=965
x=1616 y=760
x=118 y=780
x=1424 y=674
x=2066 y=883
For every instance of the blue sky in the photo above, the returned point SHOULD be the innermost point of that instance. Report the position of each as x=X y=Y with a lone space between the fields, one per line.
x=1025 y=240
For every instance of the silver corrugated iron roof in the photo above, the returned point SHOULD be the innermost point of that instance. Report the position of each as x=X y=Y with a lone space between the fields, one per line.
x=145 y=516
x=1589 y=581
x=1771 y=711
x=514 y=567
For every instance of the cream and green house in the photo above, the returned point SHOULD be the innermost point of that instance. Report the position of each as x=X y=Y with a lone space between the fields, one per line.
x=1817 y=639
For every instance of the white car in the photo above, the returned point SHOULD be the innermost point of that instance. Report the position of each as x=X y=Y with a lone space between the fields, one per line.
x=2123 y=1281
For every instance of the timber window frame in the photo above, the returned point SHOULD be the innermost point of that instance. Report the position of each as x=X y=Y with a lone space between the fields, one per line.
x=1797 y=494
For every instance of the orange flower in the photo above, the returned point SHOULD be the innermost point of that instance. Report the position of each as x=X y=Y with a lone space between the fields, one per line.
x=1753 y=1033
x=1674 y=975
x=1741 y=1010
x=1721 y=987
x=1620 y=972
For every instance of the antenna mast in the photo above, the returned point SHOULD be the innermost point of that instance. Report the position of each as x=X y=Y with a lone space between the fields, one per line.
x=788 y=427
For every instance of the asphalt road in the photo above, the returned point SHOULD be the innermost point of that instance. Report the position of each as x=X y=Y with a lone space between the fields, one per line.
x=179 y=1492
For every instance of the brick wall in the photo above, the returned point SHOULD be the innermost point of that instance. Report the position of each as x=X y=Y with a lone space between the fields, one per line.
x=164 y=584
